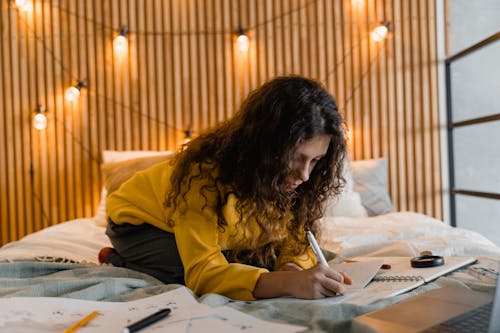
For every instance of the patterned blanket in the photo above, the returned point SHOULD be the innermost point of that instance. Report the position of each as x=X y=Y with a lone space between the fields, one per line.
x=108 y=283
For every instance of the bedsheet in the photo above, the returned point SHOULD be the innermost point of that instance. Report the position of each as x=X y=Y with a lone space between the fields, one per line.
x=401 y=234
x=77 y=275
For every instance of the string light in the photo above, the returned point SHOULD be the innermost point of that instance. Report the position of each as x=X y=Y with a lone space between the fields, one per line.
x=24 y=5
x=242 y=40
x=120 y=43
x=73 y=93
x=380 y=32
x=40 y=119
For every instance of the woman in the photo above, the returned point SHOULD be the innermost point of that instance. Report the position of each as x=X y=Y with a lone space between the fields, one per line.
x=229 y=213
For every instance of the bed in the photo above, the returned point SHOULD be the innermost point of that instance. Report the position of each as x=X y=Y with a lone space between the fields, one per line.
x=62 y=260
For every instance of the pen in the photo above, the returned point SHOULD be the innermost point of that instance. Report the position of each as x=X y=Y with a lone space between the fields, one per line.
x=82 y=322
x=316 y=249
x=145 y=322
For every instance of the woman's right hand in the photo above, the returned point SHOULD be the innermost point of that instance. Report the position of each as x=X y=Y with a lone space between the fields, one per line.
x=316 y=282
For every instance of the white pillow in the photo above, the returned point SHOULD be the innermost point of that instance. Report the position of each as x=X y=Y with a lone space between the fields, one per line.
x=365 y=192
x=100 y=217
x=348 y=203
x=112 y=156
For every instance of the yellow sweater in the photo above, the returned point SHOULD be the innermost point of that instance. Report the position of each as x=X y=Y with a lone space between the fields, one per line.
x=198 y=238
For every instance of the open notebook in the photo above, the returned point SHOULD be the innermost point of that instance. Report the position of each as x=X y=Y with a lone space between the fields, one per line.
x=401 y=277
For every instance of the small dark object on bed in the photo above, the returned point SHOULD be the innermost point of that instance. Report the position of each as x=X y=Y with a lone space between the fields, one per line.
x=103 y=253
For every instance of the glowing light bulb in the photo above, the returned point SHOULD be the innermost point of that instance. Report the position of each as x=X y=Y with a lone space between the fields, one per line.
x=40 y=120
x=243 y=42
x=379 y=33
x=120 y=45
x=23 y=5
x=72 y=94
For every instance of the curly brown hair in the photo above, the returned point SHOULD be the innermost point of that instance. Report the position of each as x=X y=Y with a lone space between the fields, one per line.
x=251 y=152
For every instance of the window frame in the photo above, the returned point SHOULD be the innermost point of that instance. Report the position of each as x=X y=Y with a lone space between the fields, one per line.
x=450 y=125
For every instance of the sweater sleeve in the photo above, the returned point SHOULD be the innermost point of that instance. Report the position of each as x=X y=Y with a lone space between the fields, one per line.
x=197 y=236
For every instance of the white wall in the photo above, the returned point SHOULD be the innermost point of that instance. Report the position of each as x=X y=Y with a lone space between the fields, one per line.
x=472 y=21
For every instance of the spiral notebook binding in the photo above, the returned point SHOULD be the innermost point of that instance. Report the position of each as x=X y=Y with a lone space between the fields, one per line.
x=399 y=278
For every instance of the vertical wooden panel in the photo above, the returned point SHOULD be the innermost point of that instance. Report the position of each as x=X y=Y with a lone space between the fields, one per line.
x=69 y=51
x=182 y=69
x=391 y=107
x=360 y=90
x=243 y=60
x=3 y=197
x=399 y=111
x=12 y=79
x=208 y=66
x=135 y=114
x=194 y=55
x=296 y=41
x=191 y=77
x=115 y=74
x=151 y=73
x=260 y=33
x=84 y=157
x=42 y=168
x=168 y=74
x=22 y=108
x=433 y=125
x=375 y=91
x=353 y=98
x=55 y=132
x=236 y=64
x=379 y=91
x=93 y=146
x=4 y=96
x=415 y=106
x=228 y=66
x=339 y=73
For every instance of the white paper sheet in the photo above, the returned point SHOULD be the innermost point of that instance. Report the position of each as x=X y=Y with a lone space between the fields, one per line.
x=361 y=272
x=50 y=314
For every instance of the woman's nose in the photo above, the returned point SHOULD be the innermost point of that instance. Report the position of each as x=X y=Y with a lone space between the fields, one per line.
x=303 y=172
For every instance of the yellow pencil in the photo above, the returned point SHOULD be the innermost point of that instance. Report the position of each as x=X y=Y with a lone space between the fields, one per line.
x=82 y=322
x=350 y=260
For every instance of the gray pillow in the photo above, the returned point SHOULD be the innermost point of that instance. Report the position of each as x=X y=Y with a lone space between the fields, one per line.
x=370 y=181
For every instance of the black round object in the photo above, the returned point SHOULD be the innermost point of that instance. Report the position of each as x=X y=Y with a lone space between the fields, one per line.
x=427 y=261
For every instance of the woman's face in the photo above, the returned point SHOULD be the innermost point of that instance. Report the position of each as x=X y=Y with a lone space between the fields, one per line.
x=305 y=158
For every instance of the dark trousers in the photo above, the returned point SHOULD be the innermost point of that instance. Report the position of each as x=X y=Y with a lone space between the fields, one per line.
x=145 y=248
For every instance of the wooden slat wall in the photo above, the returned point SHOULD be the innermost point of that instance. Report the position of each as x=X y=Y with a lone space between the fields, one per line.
x=183 y=71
